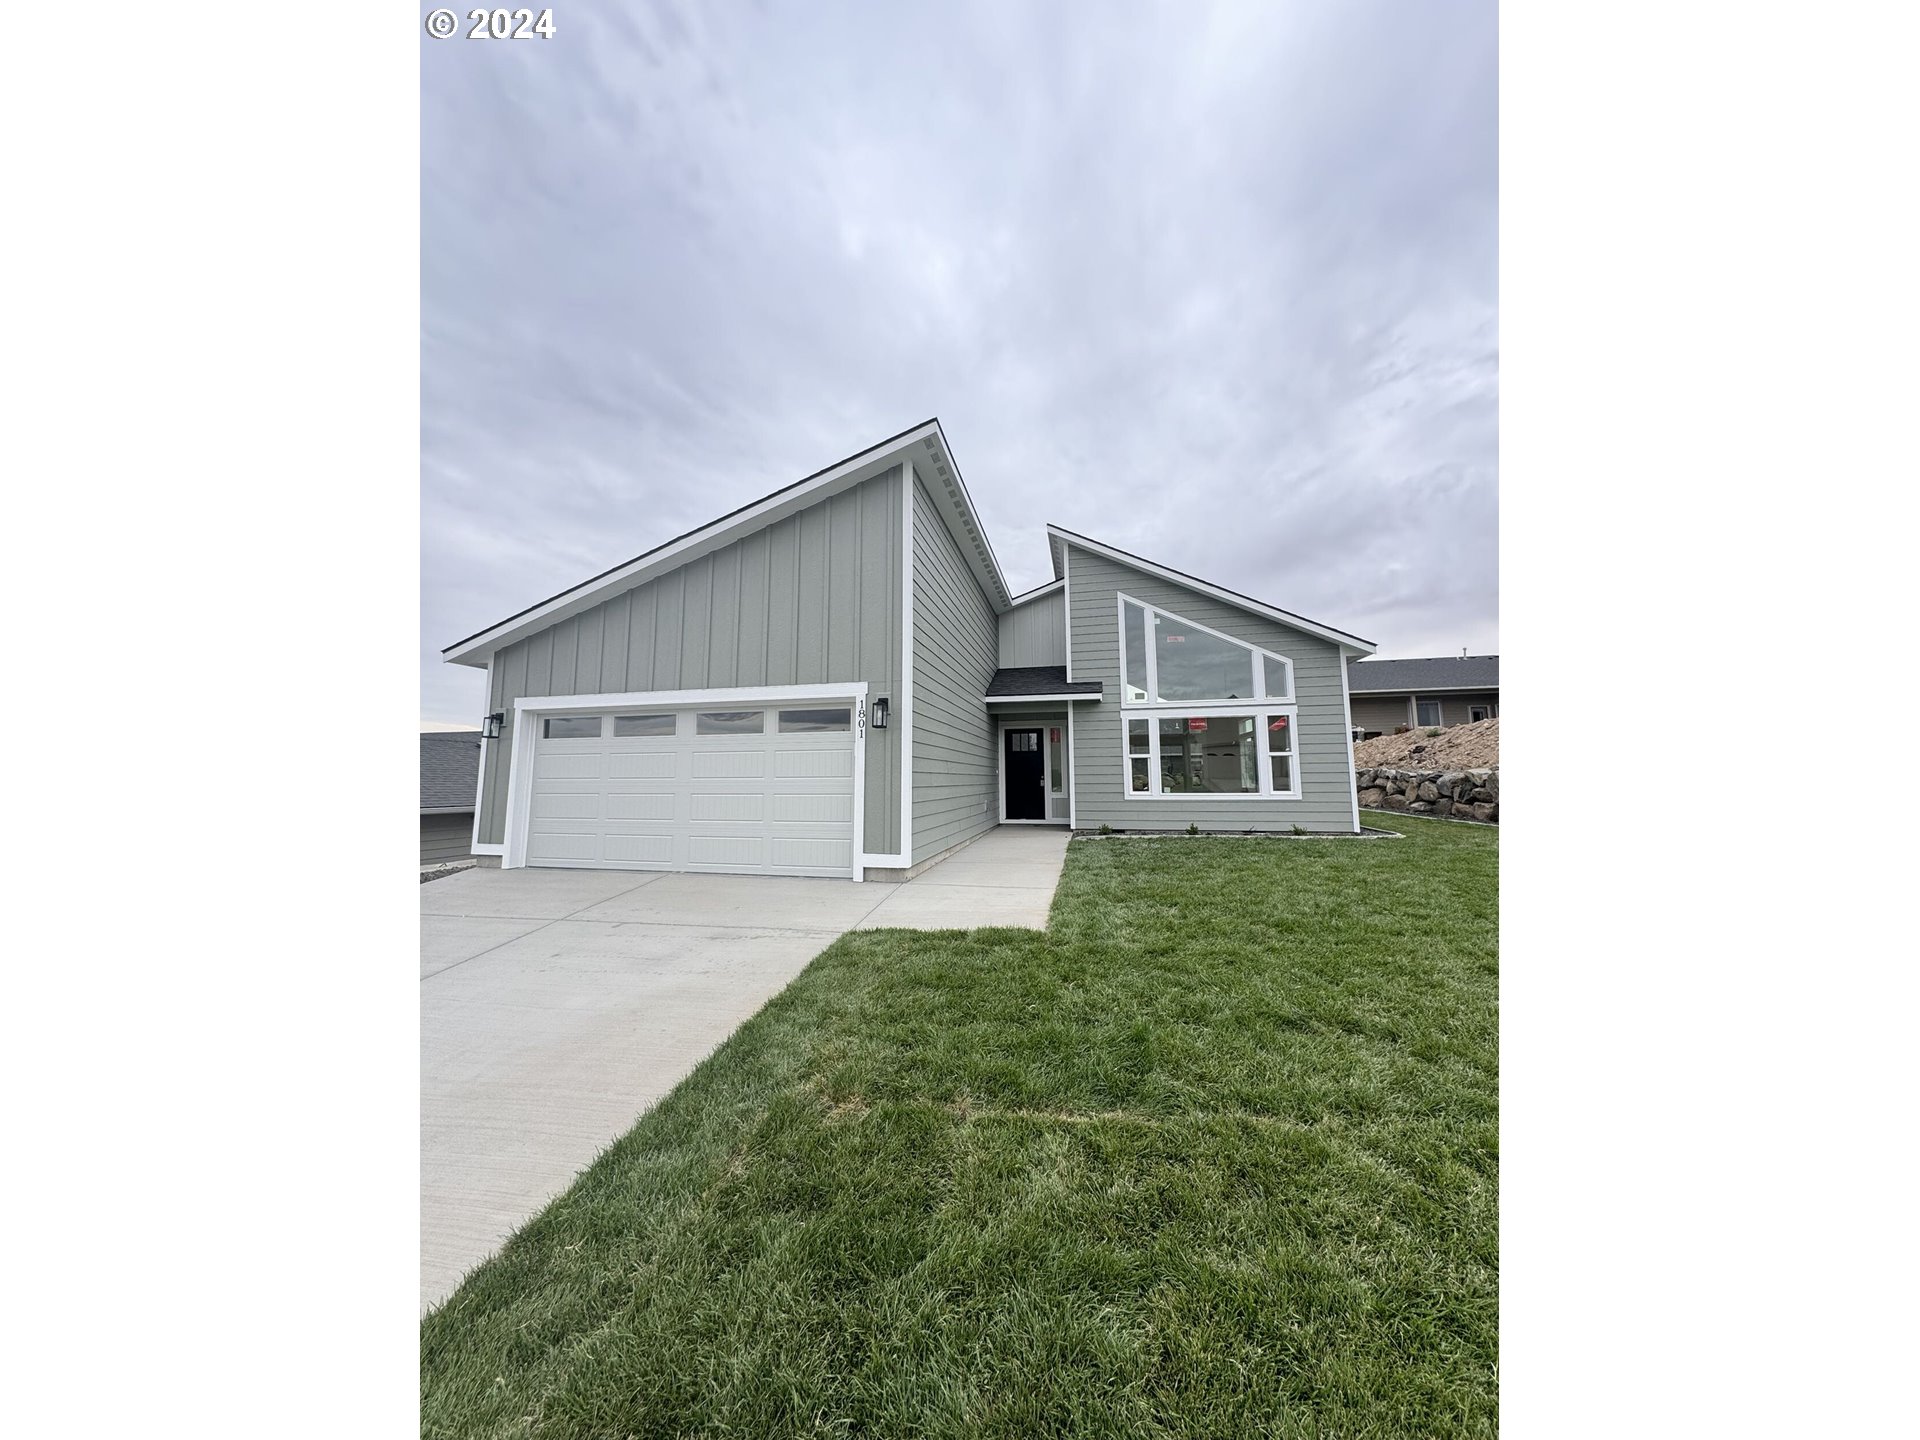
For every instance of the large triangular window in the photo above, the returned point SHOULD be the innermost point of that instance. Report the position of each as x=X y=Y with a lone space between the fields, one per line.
x=1167 y=659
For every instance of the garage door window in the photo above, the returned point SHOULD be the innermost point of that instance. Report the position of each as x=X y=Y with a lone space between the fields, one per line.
x=800 y=722
x=627 y=727
x=572 y=727
x=732 y=722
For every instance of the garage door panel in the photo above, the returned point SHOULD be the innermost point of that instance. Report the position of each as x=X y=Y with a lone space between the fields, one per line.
x=643 y=805
x=562 y=845
x=776 y=802
x=724 y=805
x=655 y=765
x=811 y=763
x=560 y=806
x=729 y=764
x=639 y=849
x=822 y=809
x=568 y=764
x=742 y=851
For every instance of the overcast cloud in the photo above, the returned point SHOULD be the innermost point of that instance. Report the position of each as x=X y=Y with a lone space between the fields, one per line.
x=1214 y=283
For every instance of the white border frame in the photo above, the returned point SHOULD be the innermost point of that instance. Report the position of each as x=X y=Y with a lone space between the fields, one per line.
x=1262 y=713
x=528 y=708
x=1011 y=722
x=1257 y=674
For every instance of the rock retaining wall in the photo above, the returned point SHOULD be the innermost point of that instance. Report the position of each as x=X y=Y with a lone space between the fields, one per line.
x=1462 y=794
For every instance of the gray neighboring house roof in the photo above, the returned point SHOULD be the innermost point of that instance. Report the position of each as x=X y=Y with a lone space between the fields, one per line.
x=1407 y=677
x=1025 y=680
x=449 y=771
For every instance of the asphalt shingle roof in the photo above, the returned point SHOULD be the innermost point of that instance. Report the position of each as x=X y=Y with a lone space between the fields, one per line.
x=1037 y=680
x=1446 y=672
x=449 y=769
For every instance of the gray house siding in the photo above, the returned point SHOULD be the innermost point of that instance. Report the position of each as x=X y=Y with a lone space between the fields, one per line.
x=810 y=599
x=956 y=644
x=1100 y=796
x=1035 y=633
x=1387 y=713
x=446 y=837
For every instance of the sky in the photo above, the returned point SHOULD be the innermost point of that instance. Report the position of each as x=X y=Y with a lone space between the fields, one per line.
x=1214 y=283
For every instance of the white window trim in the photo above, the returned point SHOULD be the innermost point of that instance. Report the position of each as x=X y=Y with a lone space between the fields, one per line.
x=530 y=708
x=1439 y=709
x=1262 y=715
x=1256 y=672
x=1046 y=771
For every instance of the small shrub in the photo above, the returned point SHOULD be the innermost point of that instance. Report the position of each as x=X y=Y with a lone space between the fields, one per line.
x=1106 y=829
x=1299 y=829
x=1435 y=730
x=1192 y=829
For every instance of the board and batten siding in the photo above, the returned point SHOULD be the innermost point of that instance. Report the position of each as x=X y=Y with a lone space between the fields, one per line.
x=956 y=643
x=1099 y=780
x=810 y=599
x=446 y=837
x=1034 y=633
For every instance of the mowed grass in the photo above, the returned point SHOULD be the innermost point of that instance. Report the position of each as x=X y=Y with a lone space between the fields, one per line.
x=1213 y=1156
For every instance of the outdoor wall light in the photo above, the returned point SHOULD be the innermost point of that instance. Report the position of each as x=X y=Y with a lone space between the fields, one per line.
x=490 y=726
x=880 y=713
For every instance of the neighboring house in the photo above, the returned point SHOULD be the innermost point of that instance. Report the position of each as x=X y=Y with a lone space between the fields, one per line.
x=449 y=777
x=835 y=680
x=1394 y=695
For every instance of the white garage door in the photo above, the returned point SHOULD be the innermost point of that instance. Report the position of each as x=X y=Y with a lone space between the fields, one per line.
x=765 y=790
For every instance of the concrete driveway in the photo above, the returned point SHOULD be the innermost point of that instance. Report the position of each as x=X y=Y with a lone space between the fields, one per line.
x=556 y=1006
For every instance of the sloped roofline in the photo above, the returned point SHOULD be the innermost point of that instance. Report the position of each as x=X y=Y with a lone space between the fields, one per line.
x=925 y=442
x=1058 y=538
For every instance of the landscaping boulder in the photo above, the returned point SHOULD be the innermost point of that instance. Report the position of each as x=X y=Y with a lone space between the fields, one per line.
x=1396 y=802
x=1430 y=792
x=1485 y=812
x=1372 y=798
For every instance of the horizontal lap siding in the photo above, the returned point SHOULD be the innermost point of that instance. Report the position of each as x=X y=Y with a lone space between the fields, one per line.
x=1035 y=633
x=1385 y=713
x=1322 y=743
x=811 y=599
x=445 y=837
x=956 y=643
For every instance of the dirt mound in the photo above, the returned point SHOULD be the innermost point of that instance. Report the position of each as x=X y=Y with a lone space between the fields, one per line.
x=1458 y=747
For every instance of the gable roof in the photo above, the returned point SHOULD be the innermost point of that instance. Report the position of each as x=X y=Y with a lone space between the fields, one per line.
x=1404 y=677
x=1058 y=539
x=924 y=444
x=449 y=770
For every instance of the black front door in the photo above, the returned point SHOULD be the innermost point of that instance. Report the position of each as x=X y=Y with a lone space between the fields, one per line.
x=1026 y=772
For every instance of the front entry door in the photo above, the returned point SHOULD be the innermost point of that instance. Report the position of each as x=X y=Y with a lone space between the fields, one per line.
x=1026 y=771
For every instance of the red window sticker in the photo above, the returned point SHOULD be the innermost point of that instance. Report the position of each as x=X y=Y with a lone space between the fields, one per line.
x=1279 y=723
x=1053 y=736
x=1196 y=725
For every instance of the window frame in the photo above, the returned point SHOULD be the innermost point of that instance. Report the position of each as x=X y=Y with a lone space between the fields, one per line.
x=547 y=723
x=1439 y=713
x=1263 y=716
x=1256 y=670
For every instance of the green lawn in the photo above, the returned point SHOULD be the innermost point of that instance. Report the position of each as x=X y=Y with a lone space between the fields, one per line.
x=1215 y=1155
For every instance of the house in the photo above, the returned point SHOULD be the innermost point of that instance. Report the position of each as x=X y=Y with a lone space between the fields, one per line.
x=449 y=778
x=1392 y=695
x=835 y=680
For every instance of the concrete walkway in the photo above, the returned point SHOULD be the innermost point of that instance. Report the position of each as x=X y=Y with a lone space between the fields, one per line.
x=556 y=1006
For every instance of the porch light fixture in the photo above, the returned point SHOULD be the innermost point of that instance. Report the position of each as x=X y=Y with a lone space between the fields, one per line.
x=490 y=725
x=878 y=714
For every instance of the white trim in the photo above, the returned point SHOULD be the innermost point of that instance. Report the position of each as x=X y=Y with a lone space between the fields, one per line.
x=1066 y=609
x=1038 y=592
x=710 y=536
x=1227 y=597
x=1029 y=699
x=1490 y=715
x=1439 y=710
x=1353 y=779
x=1046 y=773
x=836 y=690
x=1073 y=790
x=528 y=707
x=909 y=491
x=1261 y=711
x=1256 y=673
x=1435 y=690
x=479 y=846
